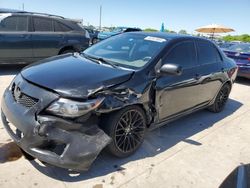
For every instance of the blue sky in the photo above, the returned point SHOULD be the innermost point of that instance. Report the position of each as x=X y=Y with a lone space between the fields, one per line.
x=176 y=14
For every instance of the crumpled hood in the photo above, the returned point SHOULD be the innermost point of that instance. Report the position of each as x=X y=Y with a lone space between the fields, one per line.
x=74 y=75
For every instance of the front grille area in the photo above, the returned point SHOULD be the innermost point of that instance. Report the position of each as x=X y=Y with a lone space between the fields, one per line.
x=22 y=98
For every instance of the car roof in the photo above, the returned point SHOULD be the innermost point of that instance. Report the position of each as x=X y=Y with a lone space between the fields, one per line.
x=20 y=12
x=73 y=23
x=124 y=27
x=167 y=36
x=5 y=10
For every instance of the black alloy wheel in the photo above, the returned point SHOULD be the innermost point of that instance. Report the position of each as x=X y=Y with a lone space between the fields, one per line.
x=127 y=129
x=221 y=99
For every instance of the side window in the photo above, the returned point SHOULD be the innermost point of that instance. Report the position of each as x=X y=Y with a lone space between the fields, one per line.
x=182 y=54
x=14 y=23
x=90 y=30
x=218 y=55
x=42 y=24
x=22 y=24
x=9 y=24
x=59 y=27
x=207 y=53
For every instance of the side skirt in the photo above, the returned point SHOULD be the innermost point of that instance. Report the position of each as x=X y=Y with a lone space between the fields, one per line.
x=178 y=116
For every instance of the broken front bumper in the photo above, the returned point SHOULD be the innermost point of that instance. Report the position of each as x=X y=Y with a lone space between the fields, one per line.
x=63 y=143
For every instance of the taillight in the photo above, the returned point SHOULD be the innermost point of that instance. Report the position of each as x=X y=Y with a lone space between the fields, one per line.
x=232 y=71
x=248 y=59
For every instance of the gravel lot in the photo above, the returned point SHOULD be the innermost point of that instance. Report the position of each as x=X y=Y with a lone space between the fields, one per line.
x=199 y=150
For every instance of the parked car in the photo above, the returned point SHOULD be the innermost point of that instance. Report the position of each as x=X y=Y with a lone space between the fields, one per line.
x=26 y=37
x=93 y=35
x=241 y=54
x=116 y=31
x=64 y=110
x=4 y=10
x=225 y=45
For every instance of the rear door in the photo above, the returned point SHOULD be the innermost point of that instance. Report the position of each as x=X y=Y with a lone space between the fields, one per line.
x=175 y=94
x=210 y=61
x=15 y=40
x=45 y=41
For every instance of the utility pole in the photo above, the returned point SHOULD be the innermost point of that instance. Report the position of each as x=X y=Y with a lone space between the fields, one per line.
x=23 y=6
x=100 y=21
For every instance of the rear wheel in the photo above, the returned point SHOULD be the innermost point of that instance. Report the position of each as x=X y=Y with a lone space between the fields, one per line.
x=127 y=129
x=221 y=99
x=94 y=40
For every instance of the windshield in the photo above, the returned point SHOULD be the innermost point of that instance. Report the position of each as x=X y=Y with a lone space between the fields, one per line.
x=245 y=48
x=127 y=50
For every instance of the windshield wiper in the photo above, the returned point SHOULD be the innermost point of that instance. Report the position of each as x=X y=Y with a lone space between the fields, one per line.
x=91 y=58
x=101 y=60
x=108 y=62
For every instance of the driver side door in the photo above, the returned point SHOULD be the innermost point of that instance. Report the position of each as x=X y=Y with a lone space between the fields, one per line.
x=176 y=94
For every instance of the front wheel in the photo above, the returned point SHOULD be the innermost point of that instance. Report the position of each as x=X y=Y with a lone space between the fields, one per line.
x=221 y=99
x=127 y=129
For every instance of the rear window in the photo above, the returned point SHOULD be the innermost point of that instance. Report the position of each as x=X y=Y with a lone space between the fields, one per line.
x=59 y=27
x=42 y=24
x=207 y=53
x=14 y=23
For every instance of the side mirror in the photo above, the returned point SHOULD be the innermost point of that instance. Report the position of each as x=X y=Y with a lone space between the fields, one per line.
x=171 y=69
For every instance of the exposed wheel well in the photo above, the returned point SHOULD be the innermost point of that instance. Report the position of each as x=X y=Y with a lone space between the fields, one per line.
x=148 y=119
x=66 y=48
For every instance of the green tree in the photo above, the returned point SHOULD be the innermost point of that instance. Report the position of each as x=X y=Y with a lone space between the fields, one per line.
x=169 y=31
x=150 y=30
x=242 y=38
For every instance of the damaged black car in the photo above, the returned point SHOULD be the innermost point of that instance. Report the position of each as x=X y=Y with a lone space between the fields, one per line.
x=66 y=109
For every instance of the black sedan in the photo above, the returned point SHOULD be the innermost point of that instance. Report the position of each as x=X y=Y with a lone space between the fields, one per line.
x=64 y=110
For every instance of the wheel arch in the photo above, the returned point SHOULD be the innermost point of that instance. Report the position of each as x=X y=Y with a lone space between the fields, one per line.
x=67 y=48
x=143 y=107
x=229 y=82
x=147 y=113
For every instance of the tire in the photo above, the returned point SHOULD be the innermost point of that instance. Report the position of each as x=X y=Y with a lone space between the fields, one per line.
x=67 y=51
x=94 y=40
x=127 y=129
x=221 y=99
x=27 y=156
